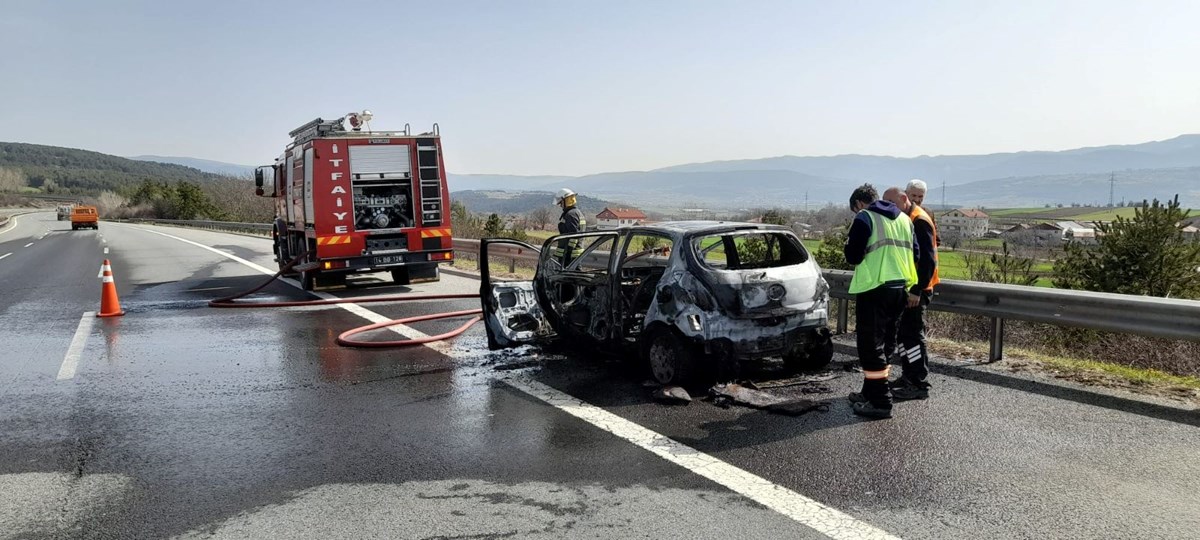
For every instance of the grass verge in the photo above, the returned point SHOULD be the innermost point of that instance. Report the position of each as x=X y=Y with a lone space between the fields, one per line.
x=1089 y=372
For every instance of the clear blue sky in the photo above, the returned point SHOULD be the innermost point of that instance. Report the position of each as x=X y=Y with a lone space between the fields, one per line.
x=574 y=87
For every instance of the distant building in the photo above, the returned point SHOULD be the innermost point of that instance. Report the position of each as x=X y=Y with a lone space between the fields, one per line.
x=612 y=218
x=1036 y=234
x=1191 y=232
x=964 y=222
x=1074 y=231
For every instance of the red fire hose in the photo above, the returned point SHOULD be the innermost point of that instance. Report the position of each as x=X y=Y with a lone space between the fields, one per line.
x=344 y=338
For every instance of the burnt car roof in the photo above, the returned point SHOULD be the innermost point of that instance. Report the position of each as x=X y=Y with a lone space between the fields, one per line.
x=694 y=227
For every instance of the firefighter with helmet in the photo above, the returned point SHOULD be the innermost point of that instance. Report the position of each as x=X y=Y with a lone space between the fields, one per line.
x=571 y=221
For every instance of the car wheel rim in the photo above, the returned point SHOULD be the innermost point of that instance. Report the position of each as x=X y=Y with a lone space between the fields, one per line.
x=662 y=361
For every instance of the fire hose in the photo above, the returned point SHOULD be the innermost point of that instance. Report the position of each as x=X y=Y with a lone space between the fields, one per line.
x=344 y=339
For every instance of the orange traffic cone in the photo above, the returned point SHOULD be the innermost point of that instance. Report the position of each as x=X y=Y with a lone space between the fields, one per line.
x=110 y=306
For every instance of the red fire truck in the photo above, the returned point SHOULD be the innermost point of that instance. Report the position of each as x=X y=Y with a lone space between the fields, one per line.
x=356 y=200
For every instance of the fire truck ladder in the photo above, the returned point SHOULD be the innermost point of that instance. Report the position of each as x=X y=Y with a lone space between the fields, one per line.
x=429 y=175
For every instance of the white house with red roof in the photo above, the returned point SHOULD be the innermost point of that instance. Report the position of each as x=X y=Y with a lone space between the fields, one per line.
x=965 y=222
x=612 y=218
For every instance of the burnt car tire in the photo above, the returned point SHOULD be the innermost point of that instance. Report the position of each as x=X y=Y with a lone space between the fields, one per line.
x=814 y=355
x=671 y=362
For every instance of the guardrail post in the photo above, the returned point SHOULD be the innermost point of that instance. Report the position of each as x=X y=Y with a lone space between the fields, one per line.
x=843 y=320
x=997 y=340
x=512 y=265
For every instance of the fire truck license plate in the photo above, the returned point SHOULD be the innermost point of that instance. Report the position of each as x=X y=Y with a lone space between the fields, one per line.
x=388 y=259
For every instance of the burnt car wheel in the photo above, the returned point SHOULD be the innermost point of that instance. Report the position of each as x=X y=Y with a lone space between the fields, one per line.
x=816 y=353
x=670 y=361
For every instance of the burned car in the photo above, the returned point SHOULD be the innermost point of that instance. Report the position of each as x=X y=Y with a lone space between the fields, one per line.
x=692 y=298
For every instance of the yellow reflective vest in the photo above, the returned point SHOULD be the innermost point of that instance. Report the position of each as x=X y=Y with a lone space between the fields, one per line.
x=889 y=254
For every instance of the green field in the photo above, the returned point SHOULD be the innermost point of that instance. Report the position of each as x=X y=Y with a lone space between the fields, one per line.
x=1072 y=214
x=952 y=265
x=985 y=243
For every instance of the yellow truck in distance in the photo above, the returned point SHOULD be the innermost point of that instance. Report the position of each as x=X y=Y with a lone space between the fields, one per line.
x=83 y=217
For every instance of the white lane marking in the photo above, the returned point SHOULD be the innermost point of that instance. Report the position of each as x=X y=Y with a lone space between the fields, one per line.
x=406 y=331
x=824 y=519
x=262 y=269
x=5 y=255
x=12 y=224
x=29 y=244
x=106 y=251
x=829 y=521
x=71 y=361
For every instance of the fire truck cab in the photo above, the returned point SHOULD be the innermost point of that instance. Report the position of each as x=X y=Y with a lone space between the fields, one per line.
x=359 y=201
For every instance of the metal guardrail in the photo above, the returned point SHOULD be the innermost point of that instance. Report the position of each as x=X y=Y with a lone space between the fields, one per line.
x=1123 y=313
x=1129 y=314
x=253 y=228
x=514 y=254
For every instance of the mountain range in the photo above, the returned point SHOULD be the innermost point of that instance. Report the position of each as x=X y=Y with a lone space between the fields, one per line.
x=206 y=165
x=1157 y=169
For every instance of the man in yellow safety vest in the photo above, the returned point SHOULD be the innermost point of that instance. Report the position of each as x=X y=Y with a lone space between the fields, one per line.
x=881 y=247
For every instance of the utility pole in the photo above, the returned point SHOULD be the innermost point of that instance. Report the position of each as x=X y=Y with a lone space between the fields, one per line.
x=1112 y=181
x=943 y=195
x=806 y=202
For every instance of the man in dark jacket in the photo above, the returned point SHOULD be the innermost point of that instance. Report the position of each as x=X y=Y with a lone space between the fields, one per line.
x=880 y=245
x=914 y=354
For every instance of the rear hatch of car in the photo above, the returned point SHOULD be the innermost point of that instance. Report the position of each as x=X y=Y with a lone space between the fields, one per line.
x=758 y=273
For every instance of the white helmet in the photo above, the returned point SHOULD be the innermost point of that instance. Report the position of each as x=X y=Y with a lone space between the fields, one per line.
x=563 y=194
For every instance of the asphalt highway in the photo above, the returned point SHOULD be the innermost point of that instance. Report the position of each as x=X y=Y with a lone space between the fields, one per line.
x=181 y=420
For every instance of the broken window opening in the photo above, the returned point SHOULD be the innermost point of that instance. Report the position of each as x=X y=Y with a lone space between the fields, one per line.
x=643 y=262
x=753 y=250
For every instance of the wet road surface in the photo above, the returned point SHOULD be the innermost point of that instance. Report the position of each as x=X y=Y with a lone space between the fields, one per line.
x=185 y=420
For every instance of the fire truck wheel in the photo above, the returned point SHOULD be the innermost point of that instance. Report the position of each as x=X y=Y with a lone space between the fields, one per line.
x=416 y=273
x=308 y=280
x=400 y=276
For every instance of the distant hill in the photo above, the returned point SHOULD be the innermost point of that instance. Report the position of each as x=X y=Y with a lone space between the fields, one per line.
x=87 y=172
x=206 y=165
x=520 y=202
x=1046 y=177
x=1181 y=151
x=486 y=182
x=1032 y=191
x=1154 y=169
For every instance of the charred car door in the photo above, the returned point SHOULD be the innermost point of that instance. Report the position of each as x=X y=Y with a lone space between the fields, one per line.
x=512 y=313
x=575 y=282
